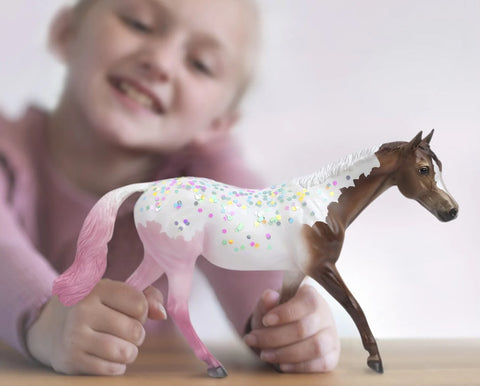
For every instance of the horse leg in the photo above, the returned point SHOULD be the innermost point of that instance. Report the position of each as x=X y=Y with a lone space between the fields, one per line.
x=146 y=273
x=179 y=286
x=291 y=282
x=330 y=279
x=177 y=257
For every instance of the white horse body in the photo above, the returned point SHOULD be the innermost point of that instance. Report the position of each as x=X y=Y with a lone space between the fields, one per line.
x=235 y=228
x=245 y=229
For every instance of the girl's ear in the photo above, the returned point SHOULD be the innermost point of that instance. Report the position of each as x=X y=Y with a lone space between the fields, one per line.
x=60 y=33
x=219 y=127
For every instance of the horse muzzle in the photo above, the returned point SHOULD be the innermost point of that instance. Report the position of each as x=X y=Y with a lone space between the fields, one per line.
x=448 y=215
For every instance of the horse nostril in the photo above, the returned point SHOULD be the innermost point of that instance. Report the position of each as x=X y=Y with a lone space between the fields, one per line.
x=453 y=213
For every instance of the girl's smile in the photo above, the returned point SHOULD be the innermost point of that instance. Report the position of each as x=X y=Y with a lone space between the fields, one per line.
x=136 y=96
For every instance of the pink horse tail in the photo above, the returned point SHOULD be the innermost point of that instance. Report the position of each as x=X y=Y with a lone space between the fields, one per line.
x=91 y=258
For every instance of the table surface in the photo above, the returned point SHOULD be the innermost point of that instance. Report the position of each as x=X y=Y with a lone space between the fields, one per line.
x=160 y=362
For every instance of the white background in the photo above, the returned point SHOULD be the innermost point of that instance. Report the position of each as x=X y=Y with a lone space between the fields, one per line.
x=336 y=77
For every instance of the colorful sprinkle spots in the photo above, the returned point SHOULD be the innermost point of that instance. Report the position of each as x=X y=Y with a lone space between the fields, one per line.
x=243 y=215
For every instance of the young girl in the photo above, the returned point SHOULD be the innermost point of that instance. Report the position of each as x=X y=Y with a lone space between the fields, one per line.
x=151 y=92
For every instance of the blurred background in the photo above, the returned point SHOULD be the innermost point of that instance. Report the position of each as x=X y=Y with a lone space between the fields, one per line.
x=335 y=77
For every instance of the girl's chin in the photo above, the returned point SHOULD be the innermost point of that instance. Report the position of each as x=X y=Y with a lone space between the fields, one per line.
x=129 y=138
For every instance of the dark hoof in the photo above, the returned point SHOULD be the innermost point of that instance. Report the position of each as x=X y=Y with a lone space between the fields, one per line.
x=375 y=365
x=217 y=372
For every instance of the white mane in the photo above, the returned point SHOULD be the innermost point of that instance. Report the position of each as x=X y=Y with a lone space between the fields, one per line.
x=335 y=168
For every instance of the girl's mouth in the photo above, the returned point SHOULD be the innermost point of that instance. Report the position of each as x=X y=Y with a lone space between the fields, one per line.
x=138 y=94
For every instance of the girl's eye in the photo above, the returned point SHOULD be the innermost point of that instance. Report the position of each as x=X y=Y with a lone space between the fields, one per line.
x=200 y=66
x=424 y=171
x=137 y=25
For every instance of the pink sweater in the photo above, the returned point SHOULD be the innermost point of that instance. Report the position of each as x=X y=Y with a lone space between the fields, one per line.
x=41 y=214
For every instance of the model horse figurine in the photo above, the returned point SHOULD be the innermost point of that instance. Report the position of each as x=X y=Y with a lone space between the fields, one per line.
x=298 y=227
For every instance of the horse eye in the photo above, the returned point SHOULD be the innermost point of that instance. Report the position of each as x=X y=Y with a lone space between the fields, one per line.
x=424 y=171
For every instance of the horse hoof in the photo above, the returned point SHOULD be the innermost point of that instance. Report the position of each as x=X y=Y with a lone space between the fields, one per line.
x=217 y=372
x=375 y=365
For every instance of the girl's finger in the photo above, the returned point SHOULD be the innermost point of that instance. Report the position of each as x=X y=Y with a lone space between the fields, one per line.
x=93 y=365
x=319 y=365
x=305 y=301
x=285 y=335
x=114 y=323
x=156 y=310
x=112 y=349
x=311 y=349
x=122 y=298
x=268 y=301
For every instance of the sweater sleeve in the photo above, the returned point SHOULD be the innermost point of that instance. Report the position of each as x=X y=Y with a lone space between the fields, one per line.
x=237 y=291
x=25 y=276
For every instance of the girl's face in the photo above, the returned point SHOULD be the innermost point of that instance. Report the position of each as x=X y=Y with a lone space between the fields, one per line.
x=156 y=74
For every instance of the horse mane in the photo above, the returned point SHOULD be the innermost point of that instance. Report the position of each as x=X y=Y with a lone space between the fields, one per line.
x=334 y=168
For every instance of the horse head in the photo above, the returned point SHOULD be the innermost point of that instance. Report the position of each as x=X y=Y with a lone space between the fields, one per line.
x=419 y=177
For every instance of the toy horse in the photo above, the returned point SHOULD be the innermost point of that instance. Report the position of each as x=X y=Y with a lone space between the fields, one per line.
x=297 y=227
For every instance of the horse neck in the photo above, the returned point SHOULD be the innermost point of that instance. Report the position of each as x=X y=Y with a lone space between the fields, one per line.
x=366 y=189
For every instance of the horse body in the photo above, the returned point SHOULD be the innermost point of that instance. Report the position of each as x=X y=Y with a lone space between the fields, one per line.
x=297 y=227
x=234 y=228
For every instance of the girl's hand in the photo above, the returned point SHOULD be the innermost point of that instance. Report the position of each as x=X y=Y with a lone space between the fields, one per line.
x=296 y=336
x=100 y=335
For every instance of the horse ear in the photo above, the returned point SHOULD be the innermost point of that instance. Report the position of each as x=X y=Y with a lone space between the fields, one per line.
x=413 y=144
x=428 y=138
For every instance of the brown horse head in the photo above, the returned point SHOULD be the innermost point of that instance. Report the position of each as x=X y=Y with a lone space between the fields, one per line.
x=419 y=177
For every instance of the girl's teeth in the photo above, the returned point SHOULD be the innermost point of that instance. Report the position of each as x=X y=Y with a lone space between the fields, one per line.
x=136 y=95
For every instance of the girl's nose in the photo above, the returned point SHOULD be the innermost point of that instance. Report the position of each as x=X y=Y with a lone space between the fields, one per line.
x=160 y=59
